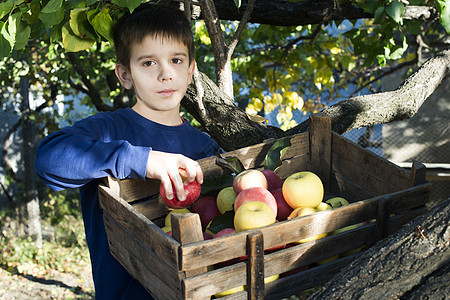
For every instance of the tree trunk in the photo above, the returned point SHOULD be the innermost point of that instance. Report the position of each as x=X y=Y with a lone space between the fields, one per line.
x=413 y=263
x=232 y=129
x=32 y=200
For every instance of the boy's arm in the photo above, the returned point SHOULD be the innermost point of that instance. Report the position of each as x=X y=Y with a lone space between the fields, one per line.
x=74 y=156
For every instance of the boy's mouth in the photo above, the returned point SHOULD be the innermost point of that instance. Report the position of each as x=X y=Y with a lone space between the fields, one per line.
x=166 y=92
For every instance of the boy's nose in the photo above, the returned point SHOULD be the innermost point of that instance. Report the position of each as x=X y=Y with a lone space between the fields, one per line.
x=165 y=74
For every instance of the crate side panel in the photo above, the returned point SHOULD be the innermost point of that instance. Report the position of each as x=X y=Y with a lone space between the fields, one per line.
x=150 y=269
x=343 y=187
x=148 y=233
x=151 y=208
x=368 y=162
x=292 y=165
x=225 y=248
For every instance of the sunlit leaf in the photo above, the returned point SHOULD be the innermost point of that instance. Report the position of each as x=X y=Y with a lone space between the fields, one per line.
x=103 y=24
x=130 y=4
x=395 y=10
x=5 y=46
x=232 y=163
x=74 y=43
x=52 y=18
x=5 y=8
x=444 y=10
x=52 y=6
x=273 y=156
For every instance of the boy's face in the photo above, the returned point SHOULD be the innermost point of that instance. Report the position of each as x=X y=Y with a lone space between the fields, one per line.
x=159 y=73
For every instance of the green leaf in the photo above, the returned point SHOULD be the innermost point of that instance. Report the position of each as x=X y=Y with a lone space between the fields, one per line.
x=5 y=8
x=237 y=3
x=130 y=4
x=22 y=33
x=216 y=184
x=395 y=10
x=5 y=46
x=52 y=6
x=103 y=24
x=74 y=43
x=223 y=221
x=53 y=18
x=273 y=156
x=443 y=7
x=231 y=163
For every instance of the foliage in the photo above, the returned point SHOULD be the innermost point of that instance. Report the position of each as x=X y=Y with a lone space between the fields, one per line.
x=278 y=71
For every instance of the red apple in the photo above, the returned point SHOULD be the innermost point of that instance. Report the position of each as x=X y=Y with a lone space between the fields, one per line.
x=192 y=190
x=256 y=194
x=248 y=179
x=273 y=180
x=284 y=210
x=225 y=232
x=206 y=208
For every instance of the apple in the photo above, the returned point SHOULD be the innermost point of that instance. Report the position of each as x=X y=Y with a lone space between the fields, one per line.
x=229 y=292
x=256 y=194
x=247 y=179
x=225 y=232
x=167 y=222
x=273 y=180
x=206 y=208
x=225 y=199
x=253 y=214
x=323 y=206
x=191 y=189
x=303 y=189
x=283 y=209
x=327 y=260
x=336 y=202
x=304 y=211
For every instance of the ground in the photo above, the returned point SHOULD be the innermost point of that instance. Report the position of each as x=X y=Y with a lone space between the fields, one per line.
x=55 y=285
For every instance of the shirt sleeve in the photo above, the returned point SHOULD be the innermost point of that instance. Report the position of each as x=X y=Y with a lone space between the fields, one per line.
x=73 y=156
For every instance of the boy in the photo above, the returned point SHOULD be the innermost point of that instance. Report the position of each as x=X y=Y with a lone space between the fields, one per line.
x=155 y=57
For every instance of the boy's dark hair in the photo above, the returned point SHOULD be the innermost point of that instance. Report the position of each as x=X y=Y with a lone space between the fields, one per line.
x=150 y=19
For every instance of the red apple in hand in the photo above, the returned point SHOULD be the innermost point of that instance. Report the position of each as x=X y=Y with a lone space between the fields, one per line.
x=206 y=208
x=284 y=210
x=191 y=189
x=273 y=180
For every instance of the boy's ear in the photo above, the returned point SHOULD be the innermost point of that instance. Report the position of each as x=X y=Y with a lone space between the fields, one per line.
x=191 y=70
x=124 y=76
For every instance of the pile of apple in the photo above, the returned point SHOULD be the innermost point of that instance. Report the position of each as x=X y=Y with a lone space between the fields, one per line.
x=258 y=199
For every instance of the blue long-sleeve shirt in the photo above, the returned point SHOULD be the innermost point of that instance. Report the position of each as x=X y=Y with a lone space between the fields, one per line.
x=111 y=144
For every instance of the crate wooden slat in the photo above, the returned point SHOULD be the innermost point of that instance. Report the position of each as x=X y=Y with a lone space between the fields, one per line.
x=383 y=197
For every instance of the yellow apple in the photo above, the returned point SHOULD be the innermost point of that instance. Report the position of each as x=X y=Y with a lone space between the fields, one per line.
x=271 y=278
x=166 y=229
x=336 y=202
x=253 y=214
x=323 y=206
x=225 y=199
x=229 y=292
x=176 y=210
x=303 y=189
x=304 y=211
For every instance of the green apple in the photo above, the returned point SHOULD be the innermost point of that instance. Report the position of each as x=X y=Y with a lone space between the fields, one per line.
x=323 y=206
x=303 y=189
x=253 y=214
x=336 y=202
x=176 y=210
x=225 y=199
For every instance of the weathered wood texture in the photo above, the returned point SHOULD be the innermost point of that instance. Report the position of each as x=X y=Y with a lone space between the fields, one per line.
x=382 y=198
x=413 y=263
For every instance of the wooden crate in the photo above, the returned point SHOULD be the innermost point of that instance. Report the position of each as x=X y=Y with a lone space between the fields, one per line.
x=177 y=268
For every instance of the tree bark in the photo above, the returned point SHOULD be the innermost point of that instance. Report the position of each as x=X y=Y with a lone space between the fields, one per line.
x=290 y=13
x=232 y=129
x=32 y=199
x=413 y=263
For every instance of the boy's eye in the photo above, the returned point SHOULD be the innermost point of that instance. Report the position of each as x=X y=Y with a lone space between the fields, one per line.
x=148 y=63
x=177 y=60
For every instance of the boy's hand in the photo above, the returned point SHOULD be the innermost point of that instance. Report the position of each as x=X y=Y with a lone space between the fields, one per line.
x=165 y=167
